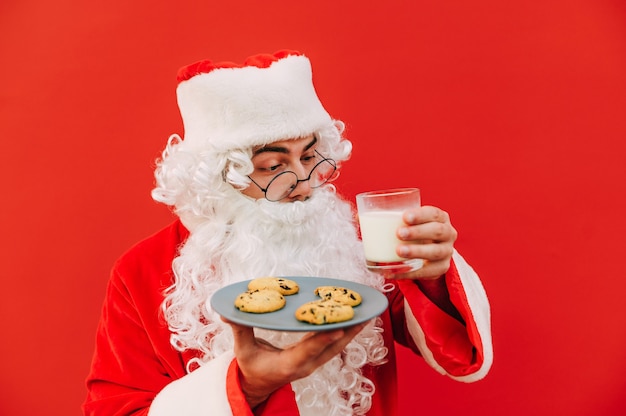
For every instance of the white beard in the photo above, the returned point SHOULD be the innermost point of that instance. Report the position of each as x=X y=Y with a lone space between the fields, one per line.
x=248 y=239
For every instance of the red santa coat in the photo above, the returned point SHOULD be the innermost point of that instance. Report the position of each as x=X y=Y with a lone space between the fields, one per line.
x=136 y=371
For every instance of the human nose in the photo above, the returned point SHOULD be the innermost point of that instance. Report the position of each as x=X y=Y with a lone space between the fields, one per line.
x=302 y=172
x=303 y=189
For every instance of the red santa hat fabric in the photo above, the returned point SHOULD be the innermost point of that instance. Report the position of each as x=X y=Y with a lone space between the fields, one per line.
x=269 y=97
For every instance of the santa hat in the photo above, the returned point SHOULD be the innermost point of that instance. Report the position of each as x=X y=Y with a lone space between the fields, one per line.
x=267 y=98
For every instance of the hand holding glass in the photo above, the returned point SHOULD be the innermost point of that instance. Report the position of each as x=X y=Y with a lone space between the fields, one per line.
x=380 y=216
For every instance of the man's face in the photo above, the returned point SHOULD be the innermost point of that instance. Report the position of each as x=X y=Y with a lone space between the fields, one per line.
x=295 y=155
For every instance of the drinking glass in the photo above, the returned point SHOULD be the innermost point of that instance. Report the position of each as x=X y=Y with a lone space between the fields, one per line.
x=380 y=215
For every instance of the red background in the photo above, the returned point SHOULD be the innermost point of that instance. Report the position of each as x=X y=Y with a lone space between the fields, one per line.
x=510 y=115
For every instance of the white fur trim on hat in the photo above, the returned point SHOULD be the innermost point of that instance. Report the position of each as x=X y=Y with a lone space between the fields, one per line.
x=241 y=107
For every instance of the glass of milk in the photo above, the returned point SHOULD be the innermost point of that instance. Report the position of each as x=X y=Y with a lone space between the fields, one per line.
x=380 y=215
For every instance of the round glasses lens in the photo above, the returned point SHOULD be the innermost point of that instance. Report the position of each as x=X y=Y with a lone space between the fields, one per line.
x=281 y=186
x=322 y=173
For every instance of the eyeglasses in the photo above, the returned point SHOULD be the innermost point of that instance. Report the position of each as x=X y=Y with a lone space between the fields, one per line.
x=285 y=182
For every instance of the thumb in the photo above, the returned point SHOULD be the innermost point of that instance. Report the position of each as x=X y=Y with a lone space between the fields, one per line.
x=243 y=335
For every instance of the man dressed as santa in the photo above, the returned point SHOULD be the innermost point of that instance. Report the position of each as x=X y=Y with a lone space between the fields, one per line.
x=250 y=184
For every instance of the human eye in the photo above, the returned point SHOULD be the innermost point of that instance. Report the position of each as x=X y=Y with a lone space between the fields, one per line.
x=308 y=158
x=266 y=163
x=271 y=166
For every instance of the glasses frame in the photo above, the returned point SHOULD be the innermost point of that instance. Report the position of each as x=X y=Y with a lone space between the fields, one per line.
x=294 y=186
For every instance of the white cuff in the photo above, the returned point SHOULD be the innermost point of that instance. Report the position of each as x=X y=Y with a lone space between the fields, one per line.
x=199 y=393
x=481 y=314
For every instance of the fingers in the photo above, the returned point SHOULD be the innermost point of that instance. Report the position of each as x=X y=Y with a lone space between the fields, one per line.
x=241 y=333
x=427 y=224
x=428 y=235
x=424 y=214
x=432 y=252
x=243 y=336
x=315 y=349
x=246 y=343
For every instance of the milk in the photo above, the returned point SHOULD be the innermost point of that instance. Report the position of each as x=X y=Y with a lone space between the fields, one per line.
x=378 y=231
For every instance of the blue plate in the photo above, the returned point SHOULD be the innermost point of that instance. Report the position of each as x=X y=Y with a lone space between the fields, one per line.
x=373 y=304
